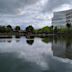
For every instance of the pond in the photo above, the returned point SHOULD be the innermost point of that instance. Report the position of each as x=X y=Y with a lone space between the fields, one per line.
x=35 y=55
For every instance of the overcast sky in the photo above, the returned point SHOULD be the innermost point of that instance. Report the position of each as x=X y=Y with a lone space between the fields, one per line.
x=30 y=12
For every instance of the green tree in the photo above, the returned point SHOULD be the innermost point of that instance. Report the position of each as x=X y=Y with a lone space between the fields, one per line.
x=46 y=29
x=55 y=30
x=68 y=25
x=2 y=29
x=17 y=28
x=45 y=40
x=51 y=27
x=29 y=29
x=9 y=28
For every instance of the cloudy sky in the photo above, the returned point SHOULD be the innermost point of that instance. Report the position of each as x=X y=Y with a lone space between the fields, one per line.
x=30 y=12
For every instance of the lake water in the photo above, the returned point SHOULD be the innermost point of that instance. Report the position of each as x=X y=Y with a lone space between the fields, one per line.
x=35 y=55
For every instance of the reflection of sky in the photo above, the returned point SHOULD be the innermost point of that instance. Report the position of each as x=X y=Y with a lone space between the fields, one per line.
x=34 y=53
x=39 y=53
x=57 y=64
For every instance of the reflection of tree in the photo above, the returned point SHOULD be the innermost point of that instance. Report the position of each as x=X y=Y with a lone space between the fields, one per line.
x=68 y=45
x=30 y=42
x=47 y=39
x=17 y=36
x=29 y=37
x=5 y=40
x=9 y=41
x=17 y=40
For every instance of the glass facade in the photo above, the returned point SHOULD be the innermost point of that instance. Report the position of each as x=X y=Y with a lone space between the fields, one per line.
x=61 y=18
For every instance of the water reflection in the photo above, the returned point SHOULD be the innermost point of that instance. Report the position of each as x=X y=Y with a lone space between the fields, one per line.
x=5 y=40
x=62 y=47
x=9 y=40
x=30 y=42
x=17 y=40
x=35 y=55
x=47 y=39
x=68 y=52
x=9 y=62
x=17 y=36
x=21 y=57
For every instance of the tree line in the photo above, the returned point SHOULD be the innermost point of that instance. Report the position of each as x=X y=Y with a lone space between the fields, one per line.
x=8 y=29
x=30 y=29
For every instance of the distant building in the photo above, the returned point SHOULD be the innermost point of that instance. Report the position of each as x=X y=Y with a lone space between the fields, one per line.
x=61 y=18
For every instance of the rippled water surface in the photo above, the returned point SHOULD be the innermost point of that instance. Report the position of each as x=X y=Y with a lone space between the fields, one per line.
x=35 y=55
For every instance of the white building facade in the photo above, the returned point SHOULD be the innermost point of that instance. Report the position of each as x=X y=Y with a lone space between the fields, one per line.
x=60 y=19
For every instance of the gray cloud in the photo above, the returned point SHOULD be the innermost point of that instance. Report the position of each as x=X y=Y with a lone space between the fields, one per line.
x=52 y=4
x=12 y=6
x=29 y=15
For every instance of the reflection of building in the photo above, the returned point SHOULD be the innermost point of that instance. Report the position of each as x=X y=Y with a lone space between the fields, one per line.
x=61 y=18
x=58 y=48
x=62 y=49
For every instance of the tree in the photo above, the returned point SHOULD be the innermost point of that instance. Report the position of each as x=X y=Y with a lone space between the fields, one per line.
x=9 y=28
x=51 y=27
x=17 y=28
x=68 y=25
x=29 y=29
x=45 y=30
x=2 y=29
x=55 y=30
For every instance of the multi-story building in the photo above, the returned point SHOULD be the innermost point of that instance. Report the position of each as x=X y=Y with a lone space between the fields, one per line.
x=60 y=19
